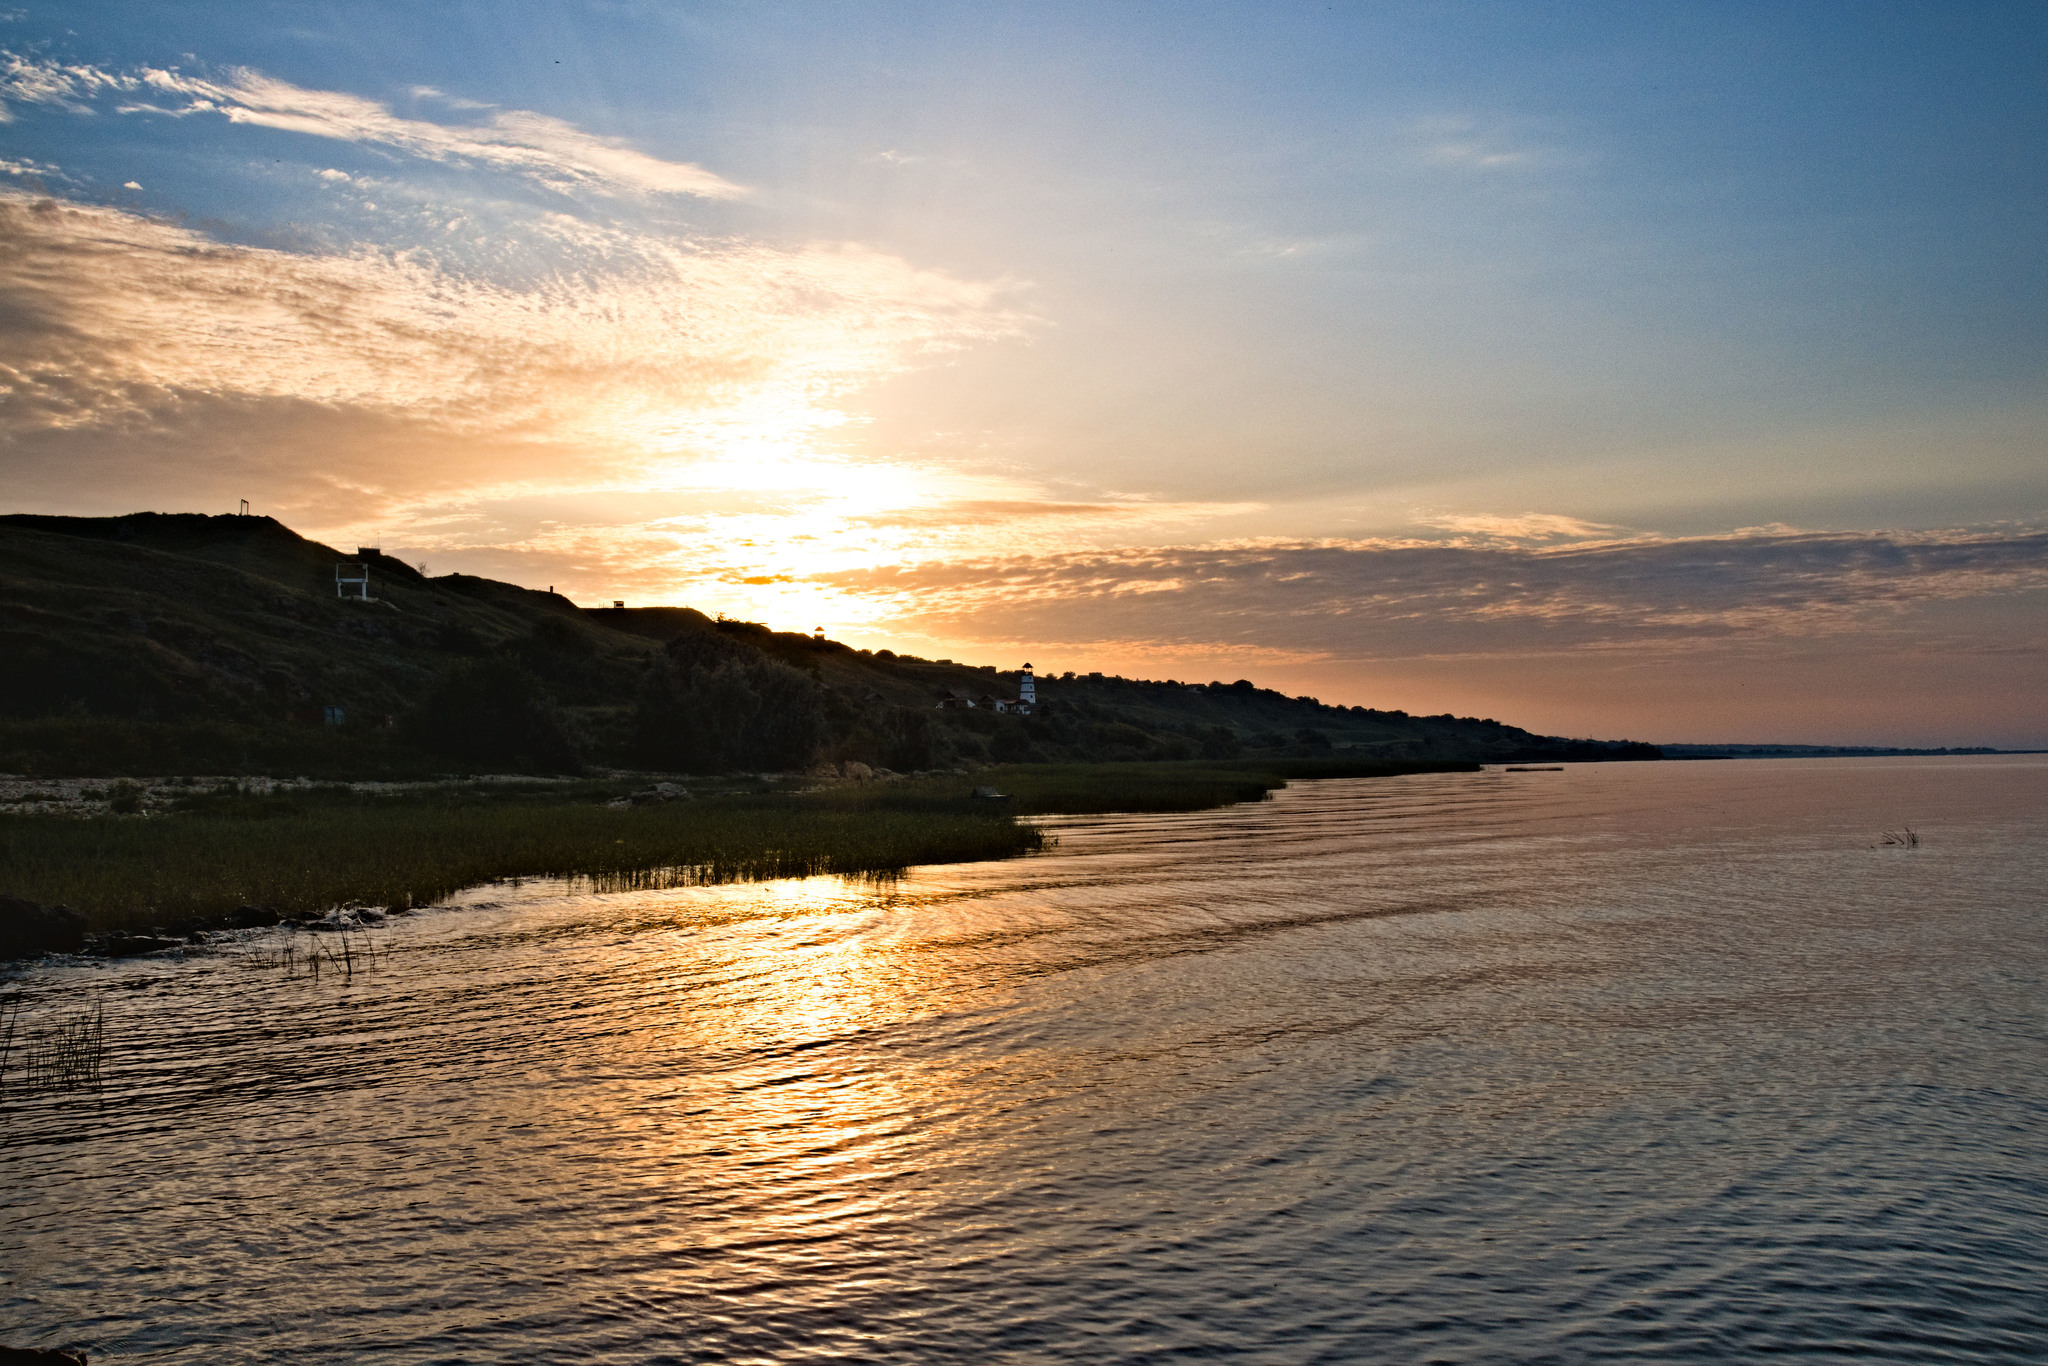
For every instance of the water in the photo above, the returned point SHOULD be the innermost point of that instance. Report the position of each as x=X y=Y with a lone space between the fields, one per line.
x=1626 y=1062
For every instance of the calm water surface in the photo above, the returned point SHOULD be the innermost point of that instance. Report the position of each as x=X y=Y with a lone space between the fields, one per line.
x=1636 y=1062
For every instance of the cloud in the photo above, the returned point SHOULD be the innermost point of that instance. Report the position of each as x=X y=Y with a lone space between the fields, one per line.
x=671 y=348
x=33 y=170
x=1464 y=142
x=1477 y=155
x=1367 y=600
x=1528 y=526
x=972 y=513
x=545 y=149
x=27 y=80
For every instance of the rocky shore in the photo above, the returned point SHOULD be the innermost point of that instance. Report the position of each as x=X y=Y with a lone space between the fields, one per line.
x=31 y=930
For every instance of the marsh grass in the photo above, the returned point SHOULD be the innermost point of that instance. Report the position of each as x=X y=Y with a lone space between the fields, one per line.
x=10 y=1017
x=306 y=857
x=63 y=1054
x=344 y=950
x=312 y=850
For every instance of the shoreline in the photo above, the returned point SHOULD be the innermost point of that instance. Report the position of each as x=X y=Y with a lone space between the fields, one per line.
x=232 y=858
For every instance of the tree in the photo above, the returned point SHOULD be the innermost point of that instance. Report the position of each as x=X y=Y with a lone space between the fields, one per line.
x=492 y=712
x=710 y=704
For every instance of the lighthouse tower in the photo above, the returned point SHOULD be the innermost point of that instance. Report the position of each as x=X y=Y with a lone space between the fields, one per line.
x=1027 y=689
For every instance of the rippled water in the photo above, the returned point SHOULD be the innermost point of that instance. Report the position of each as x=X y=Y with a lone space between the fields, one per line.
x=1621 y=1062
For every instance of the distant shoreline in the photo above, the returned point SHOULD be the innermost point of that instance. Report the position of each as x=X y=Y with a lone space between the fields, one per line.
x=1828 y=752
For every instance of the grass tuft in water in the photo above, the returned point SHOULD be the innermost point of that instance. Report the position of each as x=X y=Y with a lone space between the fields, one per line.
x=64 y=1054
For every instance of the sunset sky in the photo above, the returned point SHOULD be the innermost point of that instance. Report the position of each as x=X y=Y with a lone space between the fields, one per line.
x=1677 y=372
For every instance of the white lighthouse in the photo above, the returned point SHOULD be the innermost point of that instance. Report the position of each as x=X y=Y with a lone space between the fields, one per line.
x=1027 y=690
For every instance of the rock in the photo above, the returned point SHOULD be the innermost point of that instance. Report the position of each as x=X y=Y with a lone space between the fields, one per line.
x=659 y=793
x=991 y=795
x=823 y=773
x=28 y=928
x=858 y=771
x=31 y=1356
x=252 y=917
x=132 y=945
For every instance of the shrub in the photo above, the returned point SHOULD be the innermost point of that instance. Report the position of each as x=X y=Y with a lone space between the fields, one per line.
x=710 y=704
x=492 y=712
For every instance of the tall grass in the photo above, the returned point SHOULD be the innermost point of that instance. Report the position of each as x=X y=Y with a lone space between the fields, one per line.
x=64 y=1054
x=310 y=852
x=194 y=868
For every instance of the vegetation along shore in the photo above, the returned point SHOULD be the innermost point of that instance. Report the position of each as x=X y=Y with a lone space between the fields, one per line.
x=448 y=730
x=210 y=856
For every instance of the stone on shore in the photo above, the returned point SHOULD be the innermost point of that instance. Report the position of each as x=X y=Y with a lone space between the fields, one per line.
x=28 y=928
x=35 y=1356
x=132 y=945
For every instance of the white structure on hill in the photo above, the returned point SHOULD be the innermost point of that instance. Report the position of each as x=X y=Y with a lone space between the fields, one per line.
x=352 y=580
x=1023 y=704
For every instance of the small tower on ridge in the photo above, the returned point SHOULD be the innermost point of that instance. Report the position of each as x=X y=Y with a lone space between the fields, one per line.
x=1027 y=688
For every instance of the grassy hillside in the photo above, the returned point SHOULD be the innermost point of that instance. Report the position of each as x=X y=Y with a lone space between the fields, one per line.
x=191 y=644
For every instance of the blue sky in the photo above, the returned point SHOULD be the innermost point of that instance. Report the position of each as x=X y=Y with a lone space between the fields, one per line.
x=919 y=319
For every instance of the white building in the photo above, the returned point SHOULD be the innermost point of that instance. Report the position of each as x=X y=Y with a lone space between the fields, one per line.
x=1024 y=703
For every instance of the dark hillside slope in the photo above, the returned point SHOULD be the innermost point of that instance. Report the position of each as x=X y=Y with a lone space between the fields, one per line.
x=885 y=705
x=209 y=643
x=165 y=643
x=184 y=617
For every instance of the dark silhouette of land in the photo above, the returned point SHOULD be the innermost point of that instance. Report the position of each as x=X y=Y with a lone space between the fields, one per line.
x=184 y=643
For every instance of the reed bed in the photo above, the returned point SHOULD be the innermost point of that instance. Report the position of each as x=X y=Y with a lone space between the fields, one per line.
x=313 y=851
x=64 y=1054
x=196 y=868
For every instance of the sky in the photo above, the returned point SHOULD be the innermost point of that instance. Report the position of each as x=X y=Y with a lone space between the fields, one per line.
x=1676 y=372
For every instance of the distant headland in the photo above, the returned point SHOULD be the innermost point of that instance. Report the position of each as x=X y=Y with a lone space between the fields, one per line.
x=186 y=643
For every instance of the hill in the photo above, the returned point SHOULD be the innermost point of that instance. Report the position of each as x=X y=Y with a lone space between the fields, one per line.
x=187 y=643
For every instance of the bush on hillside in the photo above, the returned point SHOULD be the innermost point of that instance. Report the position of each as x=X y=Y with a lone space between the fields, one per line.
x=709 y=704
x=492 y=713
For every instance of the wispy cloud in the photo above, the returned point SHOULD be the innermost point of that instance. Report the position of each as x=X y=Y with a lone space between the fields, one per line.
x=1478 y=155
x=365 y=383
x=546 y=149
x=1467 y=143
x=982 y=514
x=1527 y=526
x=1388 y=600
x=106 y=309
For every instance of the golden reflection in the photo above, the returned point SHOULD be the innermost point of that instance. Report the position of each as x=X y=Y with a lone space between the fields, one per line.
x=796 y=1075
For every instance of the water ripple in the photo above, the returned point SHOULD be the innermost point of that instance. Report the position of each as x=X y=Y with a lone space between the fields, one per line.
x=1621 y=1063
